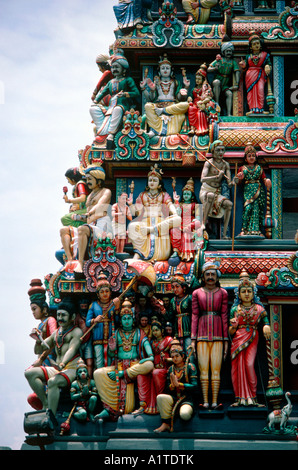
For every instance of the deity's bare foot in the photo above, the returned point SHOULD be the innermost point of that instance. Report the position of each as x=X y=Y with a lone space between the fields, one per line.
x=165 y=427
x=204 y=406
x=78 y=268
x=139 y=411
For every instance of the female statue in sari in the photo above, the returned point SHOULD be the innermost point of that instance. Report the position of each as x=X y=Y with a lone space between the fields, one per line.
x=257 y=66
x=252 y=174
x=246 y=315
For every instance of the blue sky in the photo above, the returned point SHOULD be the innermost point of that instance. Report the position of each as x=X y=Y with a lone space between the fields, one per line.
x=47 y=75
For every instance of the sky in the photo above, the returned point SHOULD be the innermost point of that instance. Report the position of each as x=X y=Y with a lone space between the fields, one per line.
x=47 y=75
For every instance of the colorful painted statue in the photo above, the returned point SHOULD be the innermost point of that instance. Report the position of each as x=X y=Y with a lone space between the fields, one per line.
x=47 y=325
x=209 y=331
x=124 y=95
x=257 y=66
x=103 y=63
x=214 y=171
x=120 y=214
x=166 y=101
x=102 y=316
x=202 y=108
x=78 y=200
x=66 y=343
x=180 y=310
x=183 y=238
x=40 y=310
x=156 y=216
x=130 y=13
x=252 y=175
x=133 y=356
x=225 y=68
x=246 y=314
x=75 y=240
x=86 y=349
x=198 y=12
x=84 y=393
x=150 y=385
x=178 y=395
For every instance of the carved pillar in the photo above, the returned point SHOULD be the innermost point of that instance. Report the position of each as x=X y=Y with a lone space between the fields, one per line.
x=274 y=391
x=280 y=6
x=278 y=85
x=276 y=203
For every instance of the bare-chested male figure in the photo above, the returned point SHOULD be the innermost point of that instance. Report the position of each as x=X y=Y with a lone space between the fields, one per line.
x=75 y=240
x=66 y=343
x=214 y=170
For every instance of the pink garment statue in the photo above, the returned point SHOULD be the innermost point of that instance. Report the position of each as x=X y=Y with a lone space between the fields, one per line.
x=209 y=315
x=243 y=352
x=149 y=386
x=255 y=81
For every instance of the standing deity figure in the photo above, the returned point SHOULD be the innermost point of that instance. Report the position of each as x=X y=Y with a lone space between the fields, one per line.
x=246 y=315
x=225 y=68
x=180 y=310
x=65 y=342
x=120 y=214
x=252 y=175
x=157 y=215
x=133 y=356
x=202 y=107
x=75 y=240
x=78 y=200
x=198 y=12
x=209 y=331
x=257 y=66
x=166 y=100
x=124 y=95
x=178 y=396
x=214 y=171
x=185 y=239
x=102 y=316
x=130 y=13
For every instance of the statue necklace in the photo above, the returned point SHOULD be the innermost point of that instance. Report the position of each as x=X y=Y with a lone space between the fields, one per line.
x=126 y=341
x=166 y=86
x=60 y=335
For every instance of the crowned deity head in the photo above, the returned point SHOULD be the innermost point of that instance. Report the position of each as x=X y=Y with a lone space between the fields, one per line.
x=155 y=182
x=165 y=68
x=188 y=191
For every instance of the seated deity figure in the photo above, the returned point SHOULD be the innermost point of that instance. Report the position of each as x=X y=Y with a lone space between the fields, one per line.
x=75 y=240
x=198 y=12
x=130 y=13
x=124 y=95
x=65 y=341
x=225 y=68
x=150 y=232
x=202 y=107
x=133 y=356
x=166 y=100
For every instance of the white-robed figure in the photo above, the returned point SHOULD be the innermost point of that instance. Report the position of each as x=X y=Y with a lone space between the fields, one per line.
x=166 y=100
x=150 y=232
